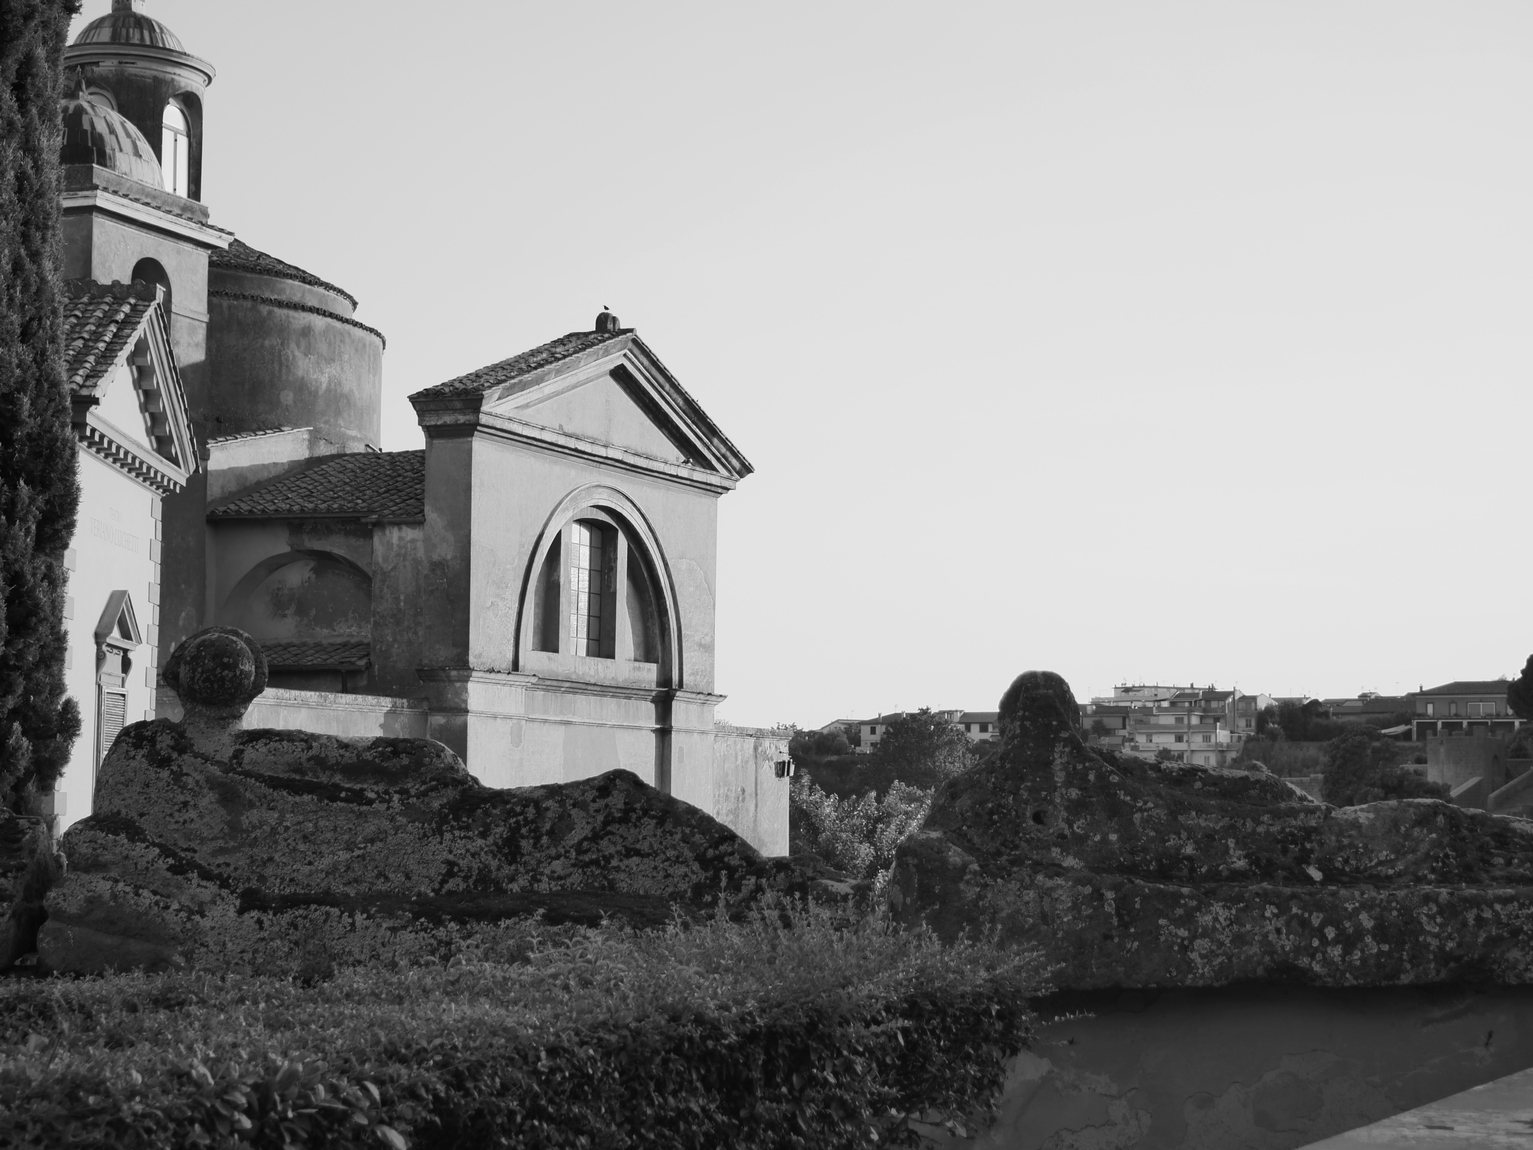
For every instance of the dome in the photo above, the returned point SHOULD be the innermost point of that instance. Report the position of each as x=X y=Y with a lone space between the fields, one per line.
x=125 y=25
x=94 y=134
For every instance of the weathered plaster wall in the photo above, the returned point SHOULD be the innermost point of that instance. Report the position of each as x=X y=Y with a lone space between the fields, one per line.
x=449 y=539
x=324 y=713
x=236 y=464
x=1455 y=759
x=748 y=797
x=505 y=532
x=105 y=248
x=116 y=547
x=1261 y=1068
x=277 y=366
x=585 y=715
x=399 y=574
x=281 y=580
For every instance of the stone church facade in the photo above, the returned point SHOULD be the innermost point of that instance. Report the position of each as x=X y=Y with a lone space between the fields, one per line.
x=535 y=588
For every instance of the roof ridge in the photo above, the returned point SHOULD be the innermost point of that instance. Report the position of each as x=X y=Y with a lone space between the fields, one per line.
x=240 y=256
x=523 y=363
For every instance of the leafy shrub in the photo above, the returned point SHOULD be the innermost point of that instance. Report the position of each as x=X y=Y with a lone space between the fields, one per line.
x=788 y=1029
x=1364 y=767
x=819 y=744
x=919 y=749
x=856 y=835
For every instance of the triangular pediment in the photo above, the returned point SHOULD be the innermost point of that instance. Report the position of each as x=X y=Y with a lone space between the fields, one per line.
x=624 y=401
x=599 y=407
x=125 y=383
x=118 y=623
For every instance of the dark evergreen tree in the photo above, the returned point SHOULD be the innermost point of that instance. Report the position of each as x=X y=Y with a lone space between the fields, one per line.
x=38 y=487
x=1519 y=692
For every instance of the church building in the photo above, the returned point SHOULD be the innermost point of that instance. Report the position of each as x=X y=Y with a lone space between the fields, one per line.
x=535 y=588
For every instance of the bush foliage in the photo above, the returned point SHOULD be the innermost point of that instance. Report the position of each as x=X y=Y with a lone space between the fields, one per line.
x=787 y=1029
x=919 y=749
x=857 y=834
x=1364 y=767
x=38 y=490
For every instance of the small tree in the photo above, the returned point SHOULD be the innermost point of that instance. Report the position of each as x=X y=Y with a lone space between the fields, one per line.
x=38 y=490
x=1519 y=692
x=819 y=744
x=920 y=749
x=1364 y=767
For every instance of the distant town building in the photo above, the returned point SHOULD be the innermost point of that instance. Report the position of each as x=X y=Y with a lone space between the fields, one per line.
x=979 y=726
x=1201 y=725
x=1463 y=707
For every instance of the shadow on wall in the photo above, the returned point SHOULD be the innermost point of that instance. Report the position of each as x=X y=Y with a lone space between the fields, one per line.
x=302 y=595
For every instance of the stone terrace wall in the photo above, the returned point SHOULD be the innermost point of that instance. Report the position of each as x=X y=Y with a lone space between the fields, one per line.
x=748 y=795
x=323 y=713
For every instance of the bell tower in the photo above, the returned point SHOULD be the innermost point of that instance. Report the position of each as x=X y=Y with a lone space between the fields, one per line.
x=138 y=67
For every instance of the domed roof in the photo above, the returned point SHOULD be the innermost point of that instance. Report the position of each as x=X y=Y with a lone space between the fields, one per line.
x=94 y=134
x=126 y=25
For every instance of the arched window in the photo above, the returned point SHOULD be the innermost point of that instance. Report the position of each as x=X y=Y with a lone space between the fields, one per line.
x=176 y=150
x=153 y=272
x=595 y=593
x=117 y=634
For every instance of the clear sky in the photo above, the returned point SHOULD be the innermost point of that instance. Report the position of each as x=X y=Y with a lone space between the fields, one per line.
x=1154 y=341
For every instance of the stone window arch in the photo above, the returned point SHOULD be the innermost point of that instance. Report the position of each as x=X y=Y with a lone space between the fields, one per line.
x=117 y=637
x=598 y=592
x=151 y=271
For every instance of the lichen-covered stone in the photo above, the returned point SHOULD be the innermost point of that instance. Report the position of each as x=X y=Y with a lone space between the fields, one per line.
x=217 y=671
x=204 y=836
x=1136 y=874
x=29 y=865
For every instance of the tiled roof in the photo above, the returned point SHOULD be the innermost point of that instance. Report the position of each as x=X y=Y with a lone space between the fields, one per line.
x=1470 y=687
x=507 y=370
x=979 y=716
x=241 y=257
x=342 y=653
x=100 y=320
x=366 y=485
x=250 y=434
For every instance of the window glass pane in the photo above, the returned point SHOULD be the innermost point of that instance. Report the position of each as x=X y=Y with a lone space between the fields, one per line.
x=586 y=546
x=175 y=150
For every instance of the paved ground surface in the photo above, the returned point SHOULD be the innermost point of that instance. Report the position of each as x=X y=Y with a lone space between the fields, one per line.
x=1497 y=1114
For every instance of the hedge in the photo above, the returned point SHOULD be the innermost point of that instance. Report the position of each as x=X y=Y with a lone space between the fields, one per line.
x=786 y=1029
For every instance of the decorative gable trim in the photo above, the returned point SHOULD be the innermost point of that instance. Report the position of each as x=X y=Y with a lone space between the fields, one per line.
x=710 y=460
x=146 y=353
x=117 y=617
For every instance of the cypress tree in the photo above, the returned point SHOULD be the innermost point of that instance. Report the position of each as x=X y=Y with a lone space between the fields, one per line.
x=38 y=486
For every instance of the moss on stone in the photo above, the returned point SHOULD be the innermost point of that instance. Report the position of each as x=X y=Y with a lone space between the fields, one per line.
x=1141 y=874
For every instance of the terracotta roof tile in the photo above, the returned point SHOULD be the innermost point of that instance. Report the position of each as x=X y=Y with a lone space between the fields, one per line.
x=508 y=370
x=321 y=655
x=100 y=320
x=366 y=485
x=241 y=257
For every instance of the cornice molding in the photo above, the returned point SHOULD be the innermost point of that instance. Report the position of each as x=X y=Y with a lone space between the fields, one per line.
x=100 y=438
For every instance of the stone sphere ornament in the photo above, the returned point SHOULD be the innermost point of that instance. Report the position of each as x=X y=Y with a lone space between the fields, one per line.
x=217 y=673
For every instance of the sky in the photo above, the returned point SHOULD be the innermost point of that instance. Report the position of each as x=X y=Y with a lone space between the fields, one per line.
x=1138 y=341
